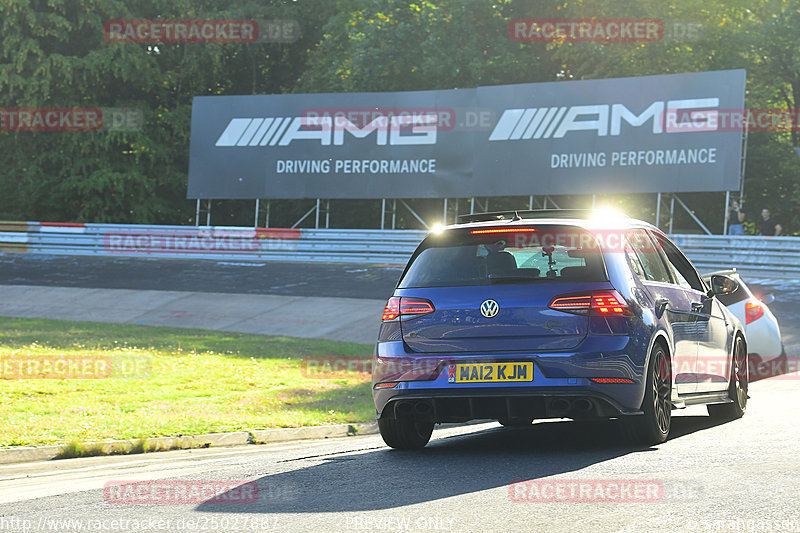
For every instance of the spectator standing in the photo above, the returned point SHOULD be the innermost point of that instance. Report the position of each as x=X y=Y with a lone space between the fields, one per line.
x=768 y=225
x=735 y=219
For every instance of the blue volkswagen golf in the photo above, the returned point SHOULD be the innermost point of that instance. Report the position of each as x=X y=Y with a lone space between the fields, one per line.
x=516 y=316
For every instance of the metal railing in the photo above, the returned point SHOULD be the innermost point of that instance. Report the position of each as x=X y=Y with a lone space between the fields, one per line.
x=752 y=255
x=761 y=256
x=210 y=242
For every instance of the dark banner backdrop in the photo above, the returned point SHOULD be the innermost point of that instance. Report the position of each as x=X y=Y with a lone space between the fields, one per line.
x=670 y=133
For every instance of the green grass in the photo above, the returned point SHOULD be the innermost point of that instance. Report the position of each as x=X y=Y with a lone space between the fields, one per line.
x=176 y=382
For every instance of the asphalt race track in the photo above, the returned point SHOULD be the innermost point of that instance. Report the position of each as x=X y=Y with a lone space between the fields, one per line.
x=553 y=476
x=269 y=298
x=739 y=476
x=343 y=280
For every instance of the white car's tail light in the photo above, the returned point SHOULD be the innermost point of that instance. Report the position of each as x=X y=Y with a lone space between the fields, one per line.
x=753 y=311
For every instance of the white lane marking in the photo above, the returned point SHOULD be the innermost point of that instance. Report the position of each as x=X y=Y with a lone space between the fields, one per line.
x=233 y=263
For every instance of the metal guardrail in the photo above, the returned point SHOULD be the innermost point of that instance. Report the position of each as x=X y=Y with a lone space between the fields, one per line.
x=752 y=255
x=210 y=242
x=759 y=256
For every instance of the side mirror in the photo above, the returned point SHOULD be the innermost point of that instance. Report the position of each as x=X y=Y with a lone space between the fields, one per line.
x=722 y=285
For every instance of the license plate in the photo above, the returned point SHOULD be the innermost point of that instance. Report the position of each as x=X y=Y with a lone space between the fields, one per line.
x=491 y=372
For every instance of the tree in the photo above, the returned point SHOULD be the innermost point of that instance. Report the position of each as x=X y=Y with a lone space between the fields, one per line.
x=54 y=54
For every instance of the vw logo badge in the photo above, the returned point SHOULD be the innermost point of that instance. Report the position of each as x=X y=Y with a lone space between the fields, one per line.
x=489 y=308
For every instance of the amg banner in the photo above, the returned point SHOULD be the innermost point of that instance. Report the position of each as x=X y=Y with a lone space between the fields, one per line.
x=670 y=133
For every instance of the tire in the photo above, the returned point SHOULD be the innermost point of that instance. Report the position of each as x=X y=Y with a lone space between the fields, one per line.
x=516 y=422
x=780 y=363
x=653 y=426
x=405 y=433
x=737 y=389
x=757 y=367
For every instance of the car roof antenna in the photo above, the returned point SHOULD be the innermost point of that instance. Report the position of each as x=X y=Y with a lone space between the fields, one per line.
x=516 y=217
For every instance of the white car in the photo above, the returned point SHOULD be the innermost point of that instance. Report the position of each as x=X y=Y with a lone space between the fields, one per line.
x=761 y=327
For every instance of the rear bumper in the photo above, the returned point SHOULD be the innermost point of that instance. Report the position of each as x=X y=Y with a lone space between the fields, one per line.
x=560 y=386
x=498 y=404
x=764 y=337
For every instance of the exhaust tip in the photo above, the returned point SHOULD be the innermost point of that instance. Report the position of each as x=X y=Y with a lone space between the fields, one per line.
x=404 y=409
x=583 y=405
x=422 y=408
x=559 y=405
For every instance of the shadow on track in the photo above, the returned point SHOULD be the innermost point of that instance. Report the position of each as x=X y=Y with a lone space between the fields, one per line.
x=486 y=459
x=782 y=367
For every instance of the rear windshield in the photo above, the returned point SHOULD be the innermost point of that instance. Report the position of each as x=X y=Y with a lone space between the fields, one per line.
x=484 y=256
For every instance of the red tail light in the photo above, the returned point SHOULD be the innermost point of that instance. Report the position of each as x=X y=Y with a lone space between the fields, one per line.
x=415 y=306
x=392 y=309
x=572 y=303
x=608 y=304
x=401 y=307
x=598 y=303
x=753 y=311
